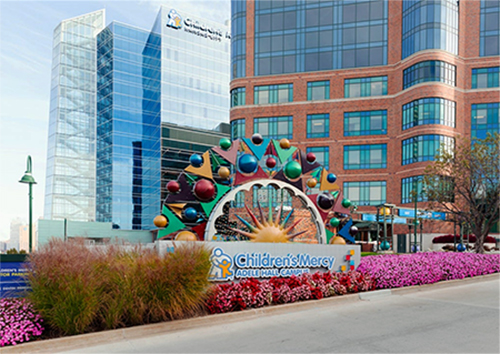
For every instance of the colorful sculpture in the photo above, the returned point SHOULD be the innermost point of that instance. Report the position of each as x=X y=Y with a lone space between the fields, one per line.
x=201 y=203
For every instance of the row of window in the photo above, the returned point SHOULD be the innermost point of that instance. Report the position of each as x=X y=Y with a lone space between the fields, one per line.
x=485 y=118
x=432 y=70
x=359 y=193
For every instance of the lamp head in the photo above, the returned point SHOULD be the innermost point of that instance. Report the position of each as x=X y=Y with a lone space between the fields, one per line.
x=28 y=178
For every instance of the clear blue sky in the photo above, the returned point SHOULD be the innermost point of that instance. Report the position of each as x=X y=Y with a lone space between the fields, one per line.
x=26 y=29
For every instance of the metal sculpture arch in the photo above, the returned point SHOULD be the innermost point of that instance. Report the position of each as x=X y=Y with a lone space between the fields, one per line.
x=231 y=195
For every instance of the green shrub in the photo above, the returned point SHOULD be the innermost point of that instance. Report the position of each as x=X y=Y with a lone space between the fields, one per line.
x=79 y=289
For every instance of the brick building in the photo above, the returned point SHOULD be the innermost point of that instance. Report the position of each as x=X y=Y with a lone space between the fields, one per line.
x=371 y=87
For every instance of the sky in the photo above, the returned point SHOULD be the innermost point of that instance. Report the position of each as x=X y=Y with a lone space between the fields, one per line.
x=26 y=29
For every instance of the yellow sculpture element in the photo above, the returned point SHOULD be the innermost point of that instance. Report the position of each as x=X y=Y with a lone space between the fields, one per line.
x=205 y=170
x=160 y=221
x=268 y=231
x=186 y=236
x=325 y=185
x=337 y=240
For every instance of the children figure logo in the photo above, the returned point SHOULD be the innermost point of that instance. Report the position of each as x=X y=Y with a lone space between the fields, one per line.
x=221 y=266
x=174 y=19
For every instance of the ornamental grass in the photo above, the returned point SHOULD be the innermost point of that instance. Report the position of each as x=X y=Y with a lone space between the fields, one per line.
x=395 y=271
x=79 y=289
x=18 y=322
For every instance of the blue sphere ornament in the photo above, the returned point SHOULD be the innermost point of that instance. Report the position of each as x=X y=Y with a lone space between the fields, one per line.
x=385 y=245
x=190 y=214
x=196 y=160
x=460 y=247
x=415 y=248
x=331 y=178
x=247 y=163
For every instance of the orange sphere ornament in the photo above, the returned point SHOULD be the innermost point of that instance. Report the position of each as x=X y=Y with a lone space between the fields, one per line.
x=224 y=172
x=160 y=221
x=285 y=143
x=311 y=183
x=337 y=240
x=185 y=236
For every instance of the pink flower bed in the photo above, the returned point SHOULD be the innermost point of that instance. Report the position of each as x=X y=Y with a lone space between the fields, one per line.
x=18 y=322
x=395 y=271
x=253 y=293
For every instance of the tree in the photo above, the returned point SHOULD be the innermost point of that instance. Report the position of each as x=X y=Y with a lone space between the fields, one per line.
x=464 y=181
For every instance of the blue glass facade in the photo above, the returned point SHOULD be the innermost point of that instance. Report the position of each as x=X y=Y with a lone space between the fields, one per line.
x=128 y=126
x=299 y=36
x=429 y=24
x=238 y=40
x=489 y=42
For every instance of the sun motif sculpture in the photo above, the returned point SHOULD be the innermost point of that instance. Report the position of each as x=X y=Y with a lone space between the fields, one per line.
x=202 y=199
x=268 y=231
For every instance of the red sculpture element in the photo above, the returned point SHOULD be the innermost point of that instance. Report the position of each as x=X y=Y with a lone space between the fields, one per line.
x=311 y=157
x=271 y=162
x=173 y=186
x=204 y=189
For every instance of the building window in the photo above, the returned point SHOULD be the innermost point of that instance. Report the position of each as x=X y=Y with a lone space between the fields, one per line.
x=429 y=25
x=322 y=155
x=365 y=123
x=485 y=77
x=305 y=36
x=274 y=127
x=273 y=94
x=237 y=129
x=238 y=38
x=268 y=194
x=366 y=86
x=407 y=188
x=431 y=110
x=239 y=200
x=424 y=147
x=238 y=97
x=366 y=193
x=318 y=125
x=485 y=118
x=489 y=36
x=318 y=90
x=365 y=156
x=432 y=70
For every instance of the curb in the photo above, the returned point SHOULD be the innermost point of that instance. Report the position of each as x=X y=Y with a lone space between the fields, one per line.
x=83 y=340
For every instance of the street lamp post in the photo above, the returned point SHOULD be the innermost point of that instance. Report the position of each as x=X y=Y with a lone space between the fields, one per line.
x=28 y=178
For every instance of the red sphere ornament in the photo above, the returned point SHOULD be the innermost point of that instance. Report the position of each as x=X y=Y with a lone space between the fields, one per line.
x=311 y=157
x=204 y=189
x=271 y=162
x=173 y=186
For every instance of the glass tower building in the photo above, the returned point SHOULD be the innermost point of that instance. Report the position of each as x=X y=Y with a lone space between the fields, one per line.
x=119 y=84
x=71 y=156
x=128 y=126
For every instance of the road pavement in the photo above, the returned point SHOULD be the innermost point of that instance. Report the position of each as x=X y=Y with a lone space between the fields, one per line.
x=463 y=318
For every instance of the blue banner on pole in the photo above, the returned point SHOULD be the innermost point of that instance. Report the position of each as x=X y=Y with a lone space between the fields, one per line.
x=422 y=214
x=371 y=217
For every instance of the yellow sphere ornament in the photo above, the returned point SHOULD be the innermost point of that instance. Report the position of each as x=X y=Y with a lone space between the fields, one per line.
x=185 y=236
x=160 y=221
x=311 y=183
x=284 y=143
x=224 y=172
x=337 y=240
x=385 y=210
